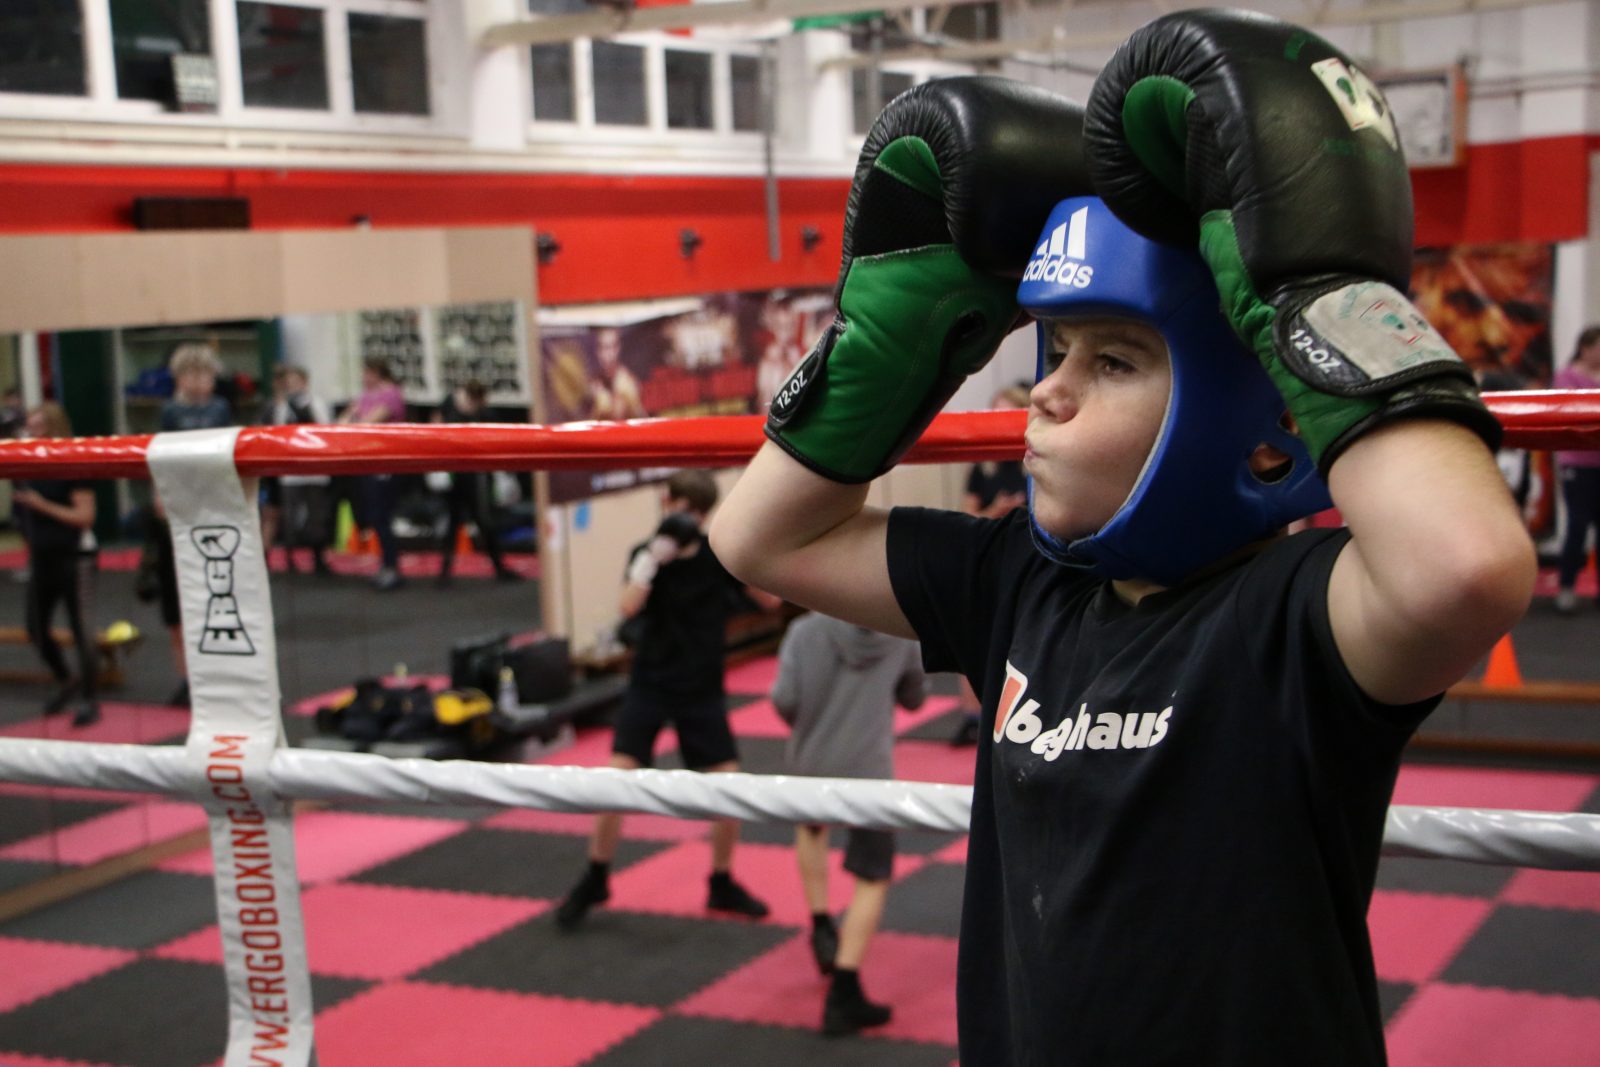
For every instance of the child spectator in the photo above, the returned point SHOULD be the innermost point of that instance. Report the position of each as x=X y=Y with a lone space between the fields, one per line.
x=837 y=686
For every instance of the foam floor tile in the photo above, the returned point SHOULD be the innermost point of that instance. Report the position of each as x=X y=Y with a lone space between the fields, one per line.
x=110 y=834
x=332 y=845
x=140 y=911
x=619 y=956
x=16 y=1059
x=34 y=969
x=927 y=901
x=1456 y=877
x=1517 y=947
x=753 y=676
x=380 y=932
x=22 y=817
x=61 y=792
x=679 y=1040
x=955 y=852
x=149 y=1013
x=120 y=724
x=590 y=748
x=1554 y=889
x=1477 y=787
x=758 y=719
x=673 y=882
x=1414 y=935
x=639 y=827
x=932 y=710
x=443 y=1023
x=914 y=975
x=1392 y=996
x=505 y=863
x=1452 y=1026
x=934 y=761
x=781 y=988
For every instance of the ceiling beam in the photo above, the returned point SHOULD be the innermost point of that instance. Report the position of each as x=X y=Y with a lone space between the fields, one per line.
x=606 y=21
x=1059 y=39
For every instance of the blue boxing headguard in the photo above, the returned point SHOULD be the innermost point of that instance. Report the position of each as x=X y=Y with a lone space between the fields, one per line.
x=1196 y=499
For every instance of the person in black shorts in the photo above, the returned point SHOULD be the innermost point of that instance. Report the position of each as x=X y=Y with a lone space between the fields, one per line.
x=677 y=599
x=57 y=522
x=1193 y=721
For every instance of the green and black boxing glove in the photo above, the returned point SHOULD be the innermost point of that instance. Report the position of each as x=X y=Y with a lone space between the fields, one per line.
x=954 y=183
x=1269 y=148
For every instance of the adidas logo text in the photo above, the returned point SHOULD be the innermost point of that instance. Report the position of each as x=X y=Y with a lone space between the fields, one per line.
x=1059 y=258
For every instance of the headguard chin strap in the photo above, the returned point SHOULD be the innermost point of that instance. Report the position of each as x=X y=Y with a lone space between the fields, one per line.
x=1196 y=499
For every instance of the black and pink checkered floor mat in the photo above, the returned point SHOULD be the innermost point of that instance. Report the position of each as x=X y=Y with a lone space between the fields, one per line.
x=432 y=940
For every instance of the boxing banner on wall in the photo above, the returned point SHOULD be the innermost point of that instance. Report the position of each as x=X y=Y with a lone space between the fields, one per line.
x=231 y=652
x=725 y=354
x=1493 y=304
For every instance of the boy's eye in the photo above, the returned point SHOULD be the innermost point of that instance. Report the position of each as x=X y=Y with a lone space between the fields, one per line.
x=1114 y=364
x=1052 y=360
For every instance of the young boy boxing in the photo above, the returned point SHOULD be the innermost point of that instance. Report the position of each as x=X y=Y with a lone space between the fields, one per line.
x=1192 y=723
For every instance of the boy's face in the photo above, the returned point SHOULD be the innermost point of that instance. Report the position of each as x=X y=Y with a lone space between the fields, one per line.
x=1093 y=420
x=197 y=385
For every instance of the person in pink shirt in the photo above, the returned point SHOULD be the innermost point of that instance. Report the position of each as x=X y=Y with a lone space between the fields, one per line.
x=1580 y=474
x=380 y=401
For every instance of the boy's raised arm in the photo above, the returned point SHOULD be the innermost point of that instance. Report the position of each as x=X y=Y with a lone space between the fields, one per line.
x=1439 y=564
x=954 y=184
x=1257 y=139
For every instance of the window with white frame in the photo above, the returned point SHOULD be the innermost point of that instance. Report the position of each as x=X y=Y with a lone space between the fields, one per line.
x=744 y=85
x=42 y=48
x=552 y=66
x=312 y=62
x=145 y=37
x=688 y=89
x=655 y=82
x=891 y=83
x=283 y=58
x=388 y=64
x=619 y=84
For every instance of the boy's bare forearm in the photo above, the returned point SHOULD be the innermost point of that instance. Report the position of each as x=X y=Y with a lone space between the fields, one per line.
x=809 y=540
x=1440 y=562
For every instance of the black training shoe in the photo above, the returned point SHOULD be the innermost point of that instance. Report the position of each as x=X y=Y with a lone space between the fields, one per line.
x=58 y=703
x=733 y=898
x=87 y=713
x=824 y=947
x=585 y=895
x=847 y=1010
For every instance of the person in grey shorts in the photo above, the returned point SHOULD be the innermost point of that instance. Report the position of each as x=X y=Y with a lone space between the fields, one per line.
x=836 y=687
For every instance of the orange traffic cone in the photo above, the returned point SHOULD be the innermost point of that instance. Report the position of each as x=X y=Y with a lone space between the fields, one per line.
x=1503 y=672
x=463 y=541
x=370 y=546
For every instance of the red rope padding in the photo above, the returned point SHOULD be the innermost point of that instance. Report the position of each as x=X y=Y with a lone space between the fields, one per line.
x=1545 y=420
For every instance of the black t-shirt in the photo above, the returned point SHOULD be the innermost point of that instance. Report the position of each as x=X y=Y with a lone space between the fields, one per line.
x=685 y=630
x=40 y=531
x=1174 y=844
x=988 y=480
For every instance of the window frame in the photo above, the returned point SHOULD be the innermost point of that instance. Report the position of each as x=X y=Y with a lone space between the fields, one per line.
x=655 y=131
x=100 y=103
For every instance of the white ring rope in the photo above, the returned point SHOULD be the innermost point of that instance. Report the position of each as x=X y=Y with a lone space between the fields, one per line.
x=1549 y=840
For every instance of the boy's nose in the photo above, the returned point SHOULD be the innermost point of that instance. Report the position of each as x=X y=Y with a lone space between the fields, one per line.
x=1054 y=395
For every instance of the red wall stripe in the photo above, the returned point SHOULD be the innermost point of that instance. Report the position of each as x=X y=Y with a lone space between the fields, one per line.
x=1536 y=190
x=619 y=234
